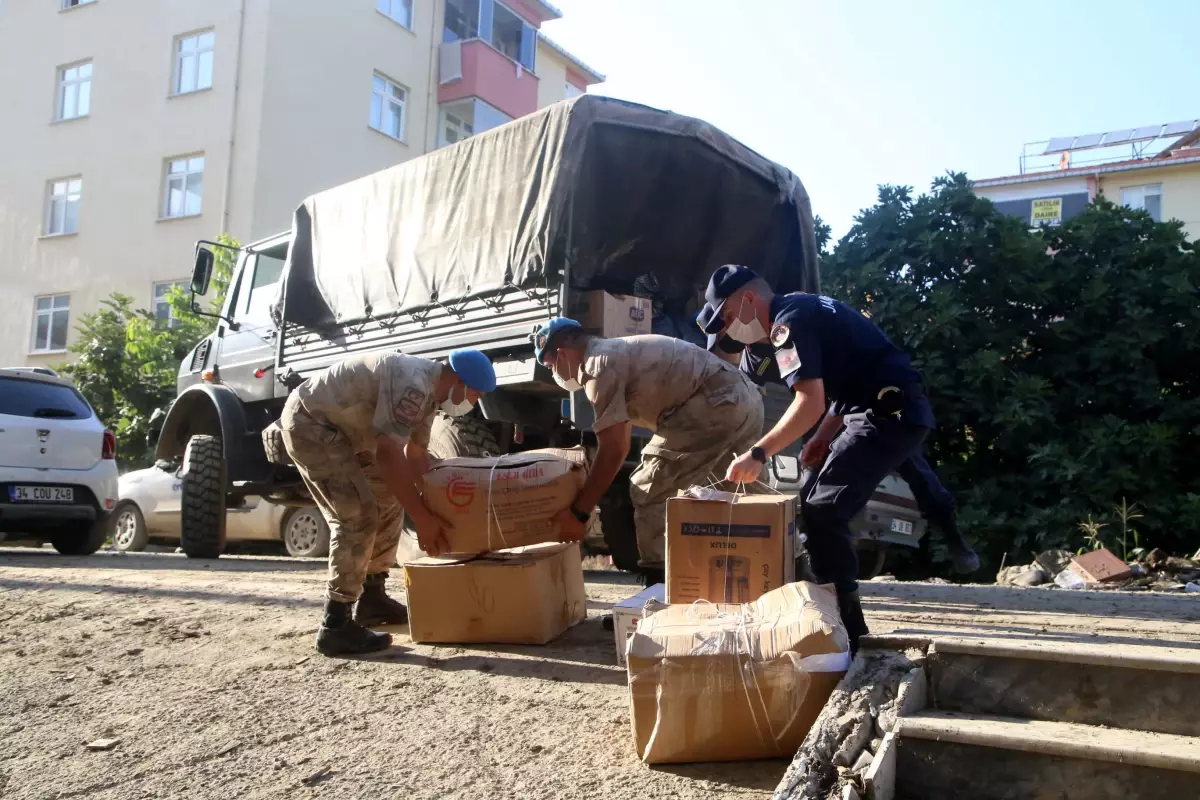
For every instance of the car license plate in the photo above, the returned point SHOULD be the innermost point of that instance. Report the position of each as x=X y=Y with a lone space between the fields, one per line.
x=41 y=494
x=901 y=526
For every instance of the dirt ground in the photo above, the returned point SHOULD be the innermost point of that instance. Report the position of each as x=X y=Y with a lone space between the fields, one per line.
x=205 y=674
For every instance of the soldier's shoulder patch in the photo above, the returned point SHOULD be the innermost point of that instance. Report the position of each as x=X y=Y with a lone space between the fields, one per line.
x=780 y=334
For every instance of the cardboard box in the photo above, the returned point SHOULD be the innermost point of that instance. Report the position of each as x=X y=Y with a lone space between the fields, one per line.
x=628 y=612
x=527 y=595
x=523 y=491
x=731 y=550
x=735 y=682
x=612 y=315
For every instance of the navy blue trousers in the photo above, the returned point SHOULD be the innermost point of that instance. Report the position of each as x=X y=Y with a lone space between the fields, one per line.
x=868 y=448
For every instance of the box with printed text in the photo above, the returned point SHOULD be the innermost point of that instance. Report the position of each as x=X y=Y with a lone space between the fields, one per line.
x=729 y=549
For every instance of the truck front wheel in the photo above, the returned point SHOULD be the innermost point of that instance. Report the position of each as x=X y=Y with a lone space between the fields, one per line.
x=202 y=512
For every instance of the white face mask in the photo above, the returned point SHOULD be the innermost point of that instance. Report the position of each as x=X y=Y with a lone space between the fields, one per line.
x=454 y=409
x=569 y=384
x=746 y=332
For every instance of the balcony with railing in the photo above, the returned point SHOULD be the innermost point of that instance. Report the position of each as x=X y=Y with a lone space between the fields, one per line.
x=488 y=51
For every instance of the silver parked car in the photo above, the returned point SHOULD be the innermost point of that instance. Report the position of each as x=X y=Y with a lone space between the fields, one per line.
x=148 y=511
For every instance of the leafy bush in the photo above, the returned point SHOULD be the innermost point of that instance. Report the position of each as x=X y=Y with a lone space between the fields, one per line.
x=126 y=360
x=1063 y=364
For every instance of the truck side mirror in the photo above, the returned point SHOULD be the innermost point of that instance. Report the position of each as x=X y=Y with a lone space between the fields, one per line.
x=786 y=468
x=202 y=271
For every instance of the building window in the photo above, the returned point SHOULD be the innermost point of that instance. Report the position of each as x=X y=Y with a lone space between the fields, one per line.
x=495 y=24
x=183 y=188
x=75 y=90
x=462 y=20
x=397 y=10
x=465 y=118
x=387 y=107
x=513 y=36
x=194 y=62
x=573 y=91
x=1148 y=198
x=50 y=318
x=62 y=206
x=454 y=129
x=73 y=3
x=163 y=313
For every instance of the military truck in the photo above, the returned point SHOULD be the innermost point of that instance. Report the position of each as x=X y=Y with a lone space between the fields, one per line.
x=476 y=245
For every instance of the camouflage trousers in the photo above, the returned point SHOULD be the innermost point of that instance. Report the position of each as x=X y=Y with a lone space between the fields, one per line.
x=365 y=519
x=694 y=444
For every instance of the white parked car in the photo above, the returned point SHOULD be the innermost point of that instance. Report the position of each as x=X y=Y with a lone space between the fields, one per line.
x=58 y=469
x=149 y=510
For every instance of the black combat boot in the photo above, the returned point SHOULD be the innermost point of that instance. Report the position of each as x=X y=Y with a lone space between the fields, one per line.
x=852 y=617
x=374 y=607
x=339 y=635
x=962 y=556
x=653 y=575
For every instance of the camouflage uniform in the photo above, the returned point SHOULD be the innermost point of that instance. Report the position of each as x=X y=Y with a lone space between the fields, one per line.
x=703 y=412
x=329 y=427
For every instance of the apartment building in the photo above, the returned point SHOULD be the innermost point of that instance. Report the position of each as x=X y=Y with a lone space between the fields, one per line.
x=1154 y=167
x=133 y=128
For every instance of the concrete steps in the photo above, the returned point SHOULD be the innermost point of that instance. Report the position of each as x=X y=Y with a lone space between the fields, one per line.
x=1022 y=718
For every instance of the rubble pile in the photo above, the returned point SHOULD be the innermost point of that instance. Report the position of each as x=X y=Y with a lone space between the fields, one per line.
x=1101 y=569
x=840 y=746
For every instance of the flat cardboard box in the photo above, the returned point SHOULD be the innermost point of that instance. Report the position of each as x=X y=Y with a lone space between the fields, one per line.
x=730 y=550
x=735 y=682
x=524 y=491
x=612 y=315
x=628 y=612
x=528 y=595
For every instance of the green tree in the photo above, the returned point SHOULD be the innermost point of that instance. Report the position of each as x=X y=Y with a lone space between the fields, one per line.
x=126 y=360
x=1064 y=364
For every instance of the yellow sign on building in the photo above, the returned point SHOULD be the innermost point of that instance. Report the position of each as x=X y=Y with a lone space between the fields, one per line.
x=1047 y=211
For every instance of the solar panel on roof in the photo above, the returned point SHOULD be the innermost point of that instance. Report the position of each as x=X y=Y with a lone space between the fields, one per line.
x=1147 y=132
x=1088 y=140
x=1117 y=137
x=1179 y=128
x=1059 y=145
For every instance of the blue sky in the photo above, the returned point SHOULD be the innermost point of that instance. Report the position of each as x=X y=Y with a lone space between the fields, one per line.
x=850 y=94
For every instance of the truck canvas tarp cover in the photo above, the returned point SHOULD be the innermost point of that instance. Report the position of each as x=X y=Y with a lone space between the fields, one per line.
x=593 y=191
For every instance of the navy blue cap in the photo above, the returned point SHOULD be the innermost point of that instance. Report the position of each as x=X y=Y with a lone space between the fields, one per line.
x=723 y=283
x=474 y=368
x=545 y=335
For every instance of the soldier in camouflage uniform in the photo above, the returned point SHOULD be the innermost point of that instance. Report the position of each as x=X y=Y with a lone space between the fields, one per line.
x=358 y=433
x=702 y=412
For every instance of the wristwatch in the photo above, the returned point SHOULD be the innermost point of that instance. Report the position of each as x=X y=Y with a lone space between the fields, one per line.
x=582 y=516
x=758 y=454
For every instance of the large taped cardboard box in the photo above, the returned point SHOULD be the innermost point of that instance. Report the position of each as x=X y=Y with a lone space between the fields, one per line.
x=730 y=549
x=523 y=492
x=627 y=613
x=712 y=682
x=528 y=595
x=612 y=315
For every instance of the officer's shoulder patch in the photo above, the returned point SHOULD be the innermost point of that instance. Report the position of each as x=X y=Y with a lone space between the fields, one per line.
x=780 y=334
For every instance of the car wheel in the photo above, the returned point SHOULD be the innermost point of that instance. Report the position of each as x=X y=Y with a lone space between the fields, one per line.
x=202 y=516
x=127 y=527
x=305 y=534
x=82 y=539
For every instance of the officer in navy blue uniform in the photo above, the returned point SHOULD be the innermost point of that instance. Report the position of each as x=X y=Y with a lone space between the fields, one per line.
x=841 y=366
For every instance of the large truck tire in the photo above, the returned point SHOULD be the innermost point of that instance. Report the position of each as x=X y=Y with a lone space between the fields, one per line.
x=465 y=436
x=202 y=512
x=616 y=524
